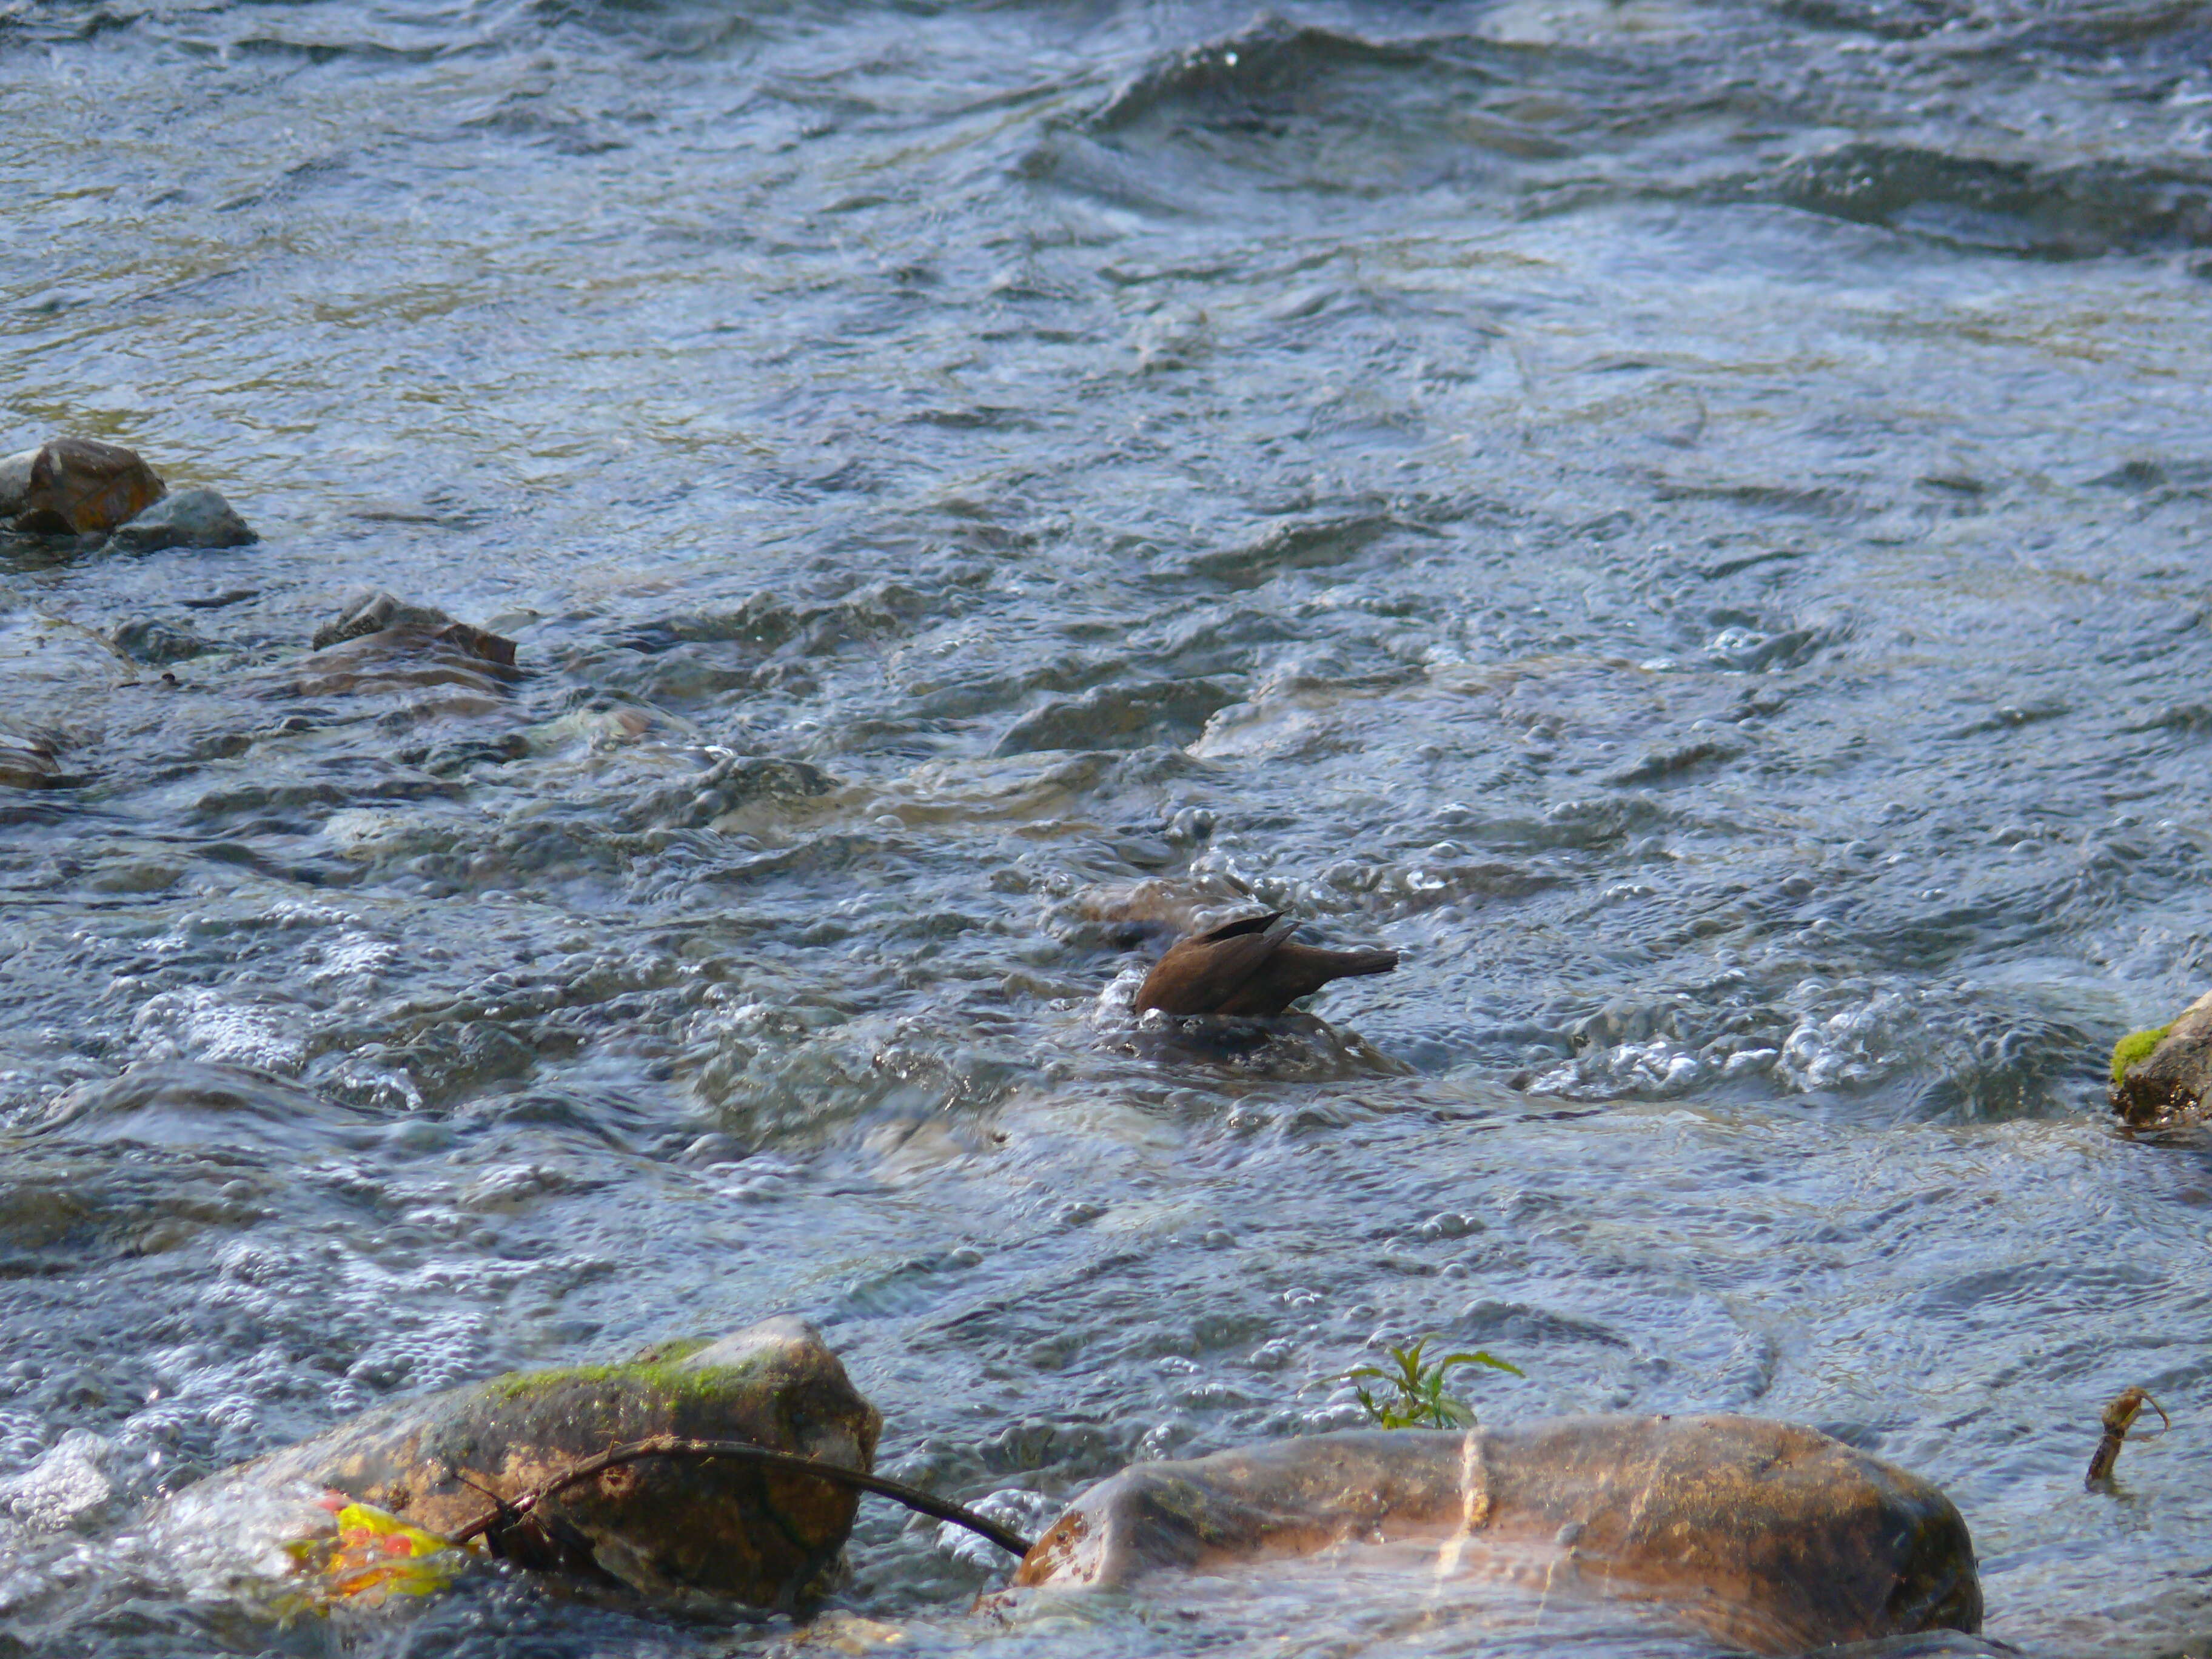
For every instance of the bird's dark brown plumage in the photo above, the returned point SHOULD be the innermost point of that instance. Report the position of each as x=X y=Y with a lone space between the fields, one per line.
x=1248 y=967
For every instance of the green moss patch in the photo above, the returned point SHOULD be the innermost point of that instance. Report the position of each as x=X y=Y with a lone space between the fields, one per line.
x=660 y=1369
x=2135 y=1046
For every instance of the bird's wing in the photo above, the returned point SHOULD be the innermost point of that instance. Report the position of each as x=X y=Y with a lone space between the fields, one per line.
x=1205 y=971
x=1242 y=925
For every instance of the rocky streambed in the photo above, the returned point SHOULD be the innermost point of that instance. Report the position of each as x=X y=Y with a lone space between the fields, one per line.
x=1765 y=1536
x=1678 y=522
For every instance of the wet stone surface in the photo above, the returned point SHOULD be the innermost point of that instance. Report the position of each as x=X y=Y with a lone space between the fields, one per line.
x=79 y=487
x=670 y=1530
x=2159 y=1076
x=198 y=517
x=1766 y=1537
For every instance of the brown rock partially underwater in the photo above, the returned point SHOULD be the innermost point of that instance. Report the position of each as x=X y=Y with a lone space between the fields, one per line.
x=381 y=644
x=28 y=760
x=1249 y=968
x=665 y=1527
x=77 y=486
x=1766 y=1535
x=2160 y=1077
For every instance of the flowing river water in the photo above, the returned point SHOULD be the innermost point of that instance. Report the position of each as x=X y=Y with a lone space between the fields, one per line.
x=1684 y=517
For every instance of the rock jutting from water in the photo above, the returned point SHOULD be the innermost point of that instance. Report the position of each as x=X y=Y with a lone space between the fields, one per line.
x=1769 y=1536
x=28 y=760
x=378 y=643
x=198 y=517
x=2159 y=1076
x=669 y=1529
x=77 y=487
x=366 y=611
x=156 y=643
x=1249 y=968
x=14 y=482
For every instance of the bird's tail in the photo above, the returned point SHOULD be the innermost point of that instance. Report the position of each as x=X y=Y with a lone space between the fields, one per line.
x=1347 y=963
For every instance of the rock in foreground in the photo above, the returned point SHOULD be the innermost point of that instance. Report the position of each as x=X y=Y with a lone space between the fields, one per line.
x=78 y=487
x=198 y=517
x=1768 y=1535
x=665 y=1527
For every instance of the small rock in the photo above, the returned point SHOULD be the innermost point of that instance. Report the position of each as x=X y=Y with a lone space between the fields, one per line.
x=79 y=487
x=369 y=611
x=731 y=784
x=1118 y=717
x=67 y=1488
x=198 y=517
x=29 y=761
x=157 y=643
x=365 y=610
x=14 y=480
x=381 y=645
x=2160 y=1077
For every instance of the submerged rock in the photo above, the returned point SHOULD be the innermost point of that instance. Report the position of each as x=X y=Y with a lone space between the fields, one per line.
x=29 y=760
x=665 y=1527
x=2160 y=1077
x=71 y=1486
x=198 y=517
x=725 y=789
x=1769 y=1536
x=369 y=611
x=78 y=487
x=1118 y=717
x=157 y=643
x=382 y=644
x=14 y=480
x=365 y=610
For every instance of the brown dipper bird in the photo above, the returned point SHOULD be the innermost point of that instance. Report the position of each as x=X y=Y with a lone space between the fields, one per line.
x=1248 y=967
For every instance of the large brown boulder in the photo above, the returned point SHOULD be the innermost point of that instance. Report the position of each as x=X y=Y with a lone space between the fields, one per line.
x=2159 y=1076
x=77 y=486
x=668 y=1528
x=1768 y=1535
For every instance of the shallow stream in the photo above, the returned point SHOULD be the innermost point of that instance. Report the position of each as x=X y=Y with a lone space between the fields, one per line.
x=1684 y=517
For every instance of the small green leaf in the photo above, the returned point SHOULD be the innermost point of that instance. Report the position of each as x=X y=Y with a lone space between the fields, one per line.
x=1416 y=1396
x=1479 y=1357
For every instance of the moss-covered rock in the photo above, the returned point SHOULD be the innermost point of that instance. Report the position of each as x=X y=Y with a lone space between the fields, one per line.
x=2160 y=1077
x=1772 y=1537
x=667 y=1528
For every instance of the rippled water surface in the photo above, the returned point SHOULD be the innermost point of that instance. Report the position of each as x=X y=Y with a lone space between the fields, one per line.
x=1685 y=517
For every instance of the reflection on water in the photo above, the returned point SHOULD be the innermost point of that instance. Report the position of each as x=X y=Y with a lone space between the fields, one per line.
x=1680 y=517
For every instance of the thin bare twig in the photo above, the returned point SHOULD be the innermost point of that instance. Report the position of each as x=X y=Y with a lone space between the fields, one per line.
x=2119 y=1417
x=670 y=1445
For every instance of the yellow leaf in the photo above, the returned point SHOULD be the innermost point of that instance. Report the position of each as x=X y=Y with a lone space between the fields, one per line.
x=370 y=1556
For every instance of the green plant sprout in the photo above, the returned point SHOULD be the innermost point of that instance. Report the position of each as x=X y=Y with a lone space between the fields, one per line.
x=1415 y=1398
